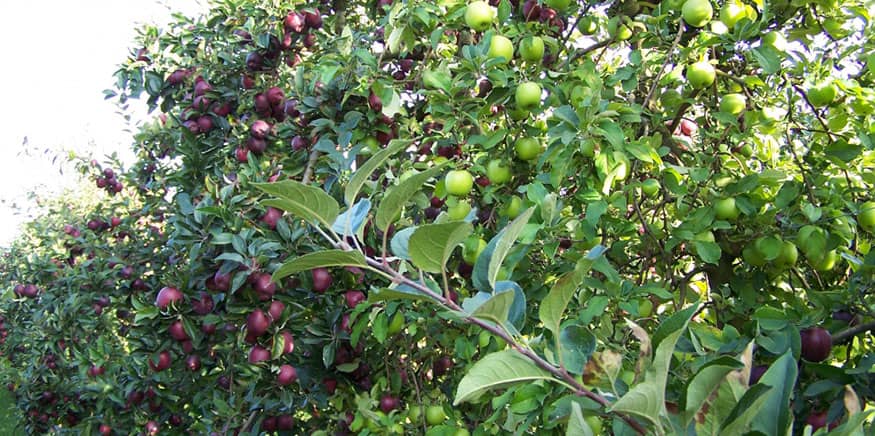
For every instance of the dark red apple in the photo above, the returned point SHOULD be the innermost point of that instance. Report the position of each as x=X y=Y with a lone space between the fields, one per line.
x=313 y=19
x=388 y=403
x=817 y=419
x=105 y=430
x=202 y=305
x=295 y=22
x=330 y=385
x=285 y=422
x=271 y=217
x=816 y=344
x=254 y=61
x=256 y=145
x=258 y=354
x=204 y=123
x=276 y=309
x=264 y=286
x=442 y=366
x=193 y=362
x=287 y=375
x=242 y=154
x=177 y=331
x=275 y=96
x=259 y=129
x=374 y=102
x=257 y=322
x=164 y=361
x=247 y=82
x=353 y=298
x=152 y=428
x=166 y=296
x=288 y=342
x=268 y=424
x=321 y=279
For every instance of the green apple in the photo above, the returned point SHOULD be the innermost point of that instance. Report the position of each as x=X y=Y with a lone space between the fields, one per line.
x=827 y=263
x=732 y=12
x=459 y=211
x=822 y=94
x=701 y=74
x=462 y=432
x=435 y=415
x=500 y=47
x=472 y=248
x=866 y=216
x=513 y=207
x=459 y=182
x=532 y=49
x=725 y=209
x=697 y=13
x=788 y=255
x=650 y=187
x=396 y=324
x=671 y=98
x=618 y=30
x=812 y=240
x=479 y=16
x=733 y=103
x=528 y=96
x=527 y=148
x=775 y=40
x=414 y=413
x=594 y=423
x=588 y=25
x=483 y=339
x=498 y=172
x=645 y=308
x=752 y=255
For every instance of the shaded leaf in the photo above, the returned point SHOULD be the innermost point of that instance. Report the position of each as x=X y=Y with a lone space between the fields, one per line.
x=496 y=370
x=319 y=259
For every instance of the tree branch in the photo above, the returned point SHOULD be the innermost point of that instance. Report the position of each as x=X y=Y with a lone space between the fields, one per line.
x=846 y=335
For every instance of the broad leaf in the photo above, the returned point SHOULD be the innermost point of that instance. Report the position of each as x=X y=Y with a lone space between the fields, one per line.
x=398 y=196
x=577 y=426
x=497 y=370
x=496 y=308
x=774 y=417
x=487 y=265
x=431 y=245
x=517 y=313
x=400 y=243
x=553 y=305
x=349 y=222
x=319 y=259
x=705 y=382
x=307 y=202
x=647 y=399
x=745 y=410
x=362 y=174
x=577 y=345
x=401 y=292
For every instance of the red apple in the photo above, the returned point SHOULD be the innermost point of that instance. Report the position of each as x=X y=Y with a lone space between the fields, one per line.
x=287 y=375
x=167 y=296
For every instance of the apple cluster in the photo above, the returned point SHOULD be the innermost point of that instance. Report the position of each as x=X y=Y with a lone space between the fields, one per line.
x=107 y=180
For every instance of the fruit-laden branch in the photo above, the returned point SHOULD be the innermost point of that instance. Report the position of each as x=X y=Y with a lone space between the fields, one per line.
x=847 y=335
x=578 y=388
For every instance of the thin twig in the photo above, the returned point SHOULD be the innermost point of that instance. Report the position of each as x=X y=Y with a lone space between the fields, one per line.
x=311 y=163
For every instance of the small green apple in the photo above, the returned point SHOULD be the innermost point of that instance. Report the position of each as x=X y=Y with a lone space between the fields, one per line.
x=479 y=16
x=701 y=74
x=472 y=248
x=459 y=182
x=498 y=172
x=528 y=96
x=822 y=94
x=733 y=103
x=697 y=13
x=732 y=12
x=725 y=209
x=459 y=210
x=500 y=47
x=513 y=207
x=532 y=49
x=527 y=148
x=435 y=415
x=650 y=187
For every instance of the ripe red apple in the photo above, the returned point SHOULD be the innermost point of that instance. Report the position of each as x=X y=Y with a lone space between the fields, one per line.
x=264 y=286
x=256 y=145
x=105 y=430
x=287 y=375
x=257 y=322
x=177 y=331
x=276 y=309
x=193 y=362
x=288 y=342
x=321 y=280
x=242 y=154
x=442 y=366
x=295 y=22
x=247 y=82
x=202 y=305
x=164 y=361
x=374 y=102
x=271 y=217
x=259 y=129
x=208 y=328
x=816 y=344
x=817 y=419
x=258 y=354
x=313 y=19
x=285 y=422
x=166 y=296
x=268 y=424
x=152 y=428
x=353 y=298
x=275 y=96
x=204 y=123
x=254 y=61
x=388 y=403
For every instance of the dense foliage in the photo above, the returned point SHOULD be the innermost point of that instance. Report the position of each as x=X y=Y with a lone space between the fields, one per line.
x=452 y=218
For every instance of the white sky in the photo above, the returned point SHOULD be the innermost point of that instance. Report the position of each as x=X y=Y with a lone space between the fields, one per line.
x=58 y=57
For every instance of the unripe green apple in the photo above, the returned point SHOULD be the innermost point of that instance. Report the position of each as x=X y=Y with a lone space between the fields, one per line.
x=650 y=187
x=732 y=12
x=472 y=249
x=822 y=94
x=645 y=308
x=588 y=25
x=396 y=324
x=435 y=415
x=498 y=172
x=459 y=210
x=788 y=255
x=827 y=263
x=866 y=216
x=459 y=182
x=618 y=30
x=725 y=209
x=594 y=423
x=500 y=47
x=479 y=15
x=532 y=49
x=775 y=40
x=528 y=96
x=697 y=13
x=701 y=74
x=733 y=103
x=513 y=207
x=558 y=5
x=527 y=148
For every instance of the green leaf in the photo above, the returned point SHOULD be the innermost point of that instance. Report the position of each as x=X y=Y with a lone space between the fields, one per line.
x=705 y=382
x=517 y=313
x=496 y=308
x=487 y=265
x=497 y=370
x=398 y=196
x=349 y=222
x=432 y=245
x=401 y=292
x=400 y=243
x=307 y=202
x=320 y=259
x=553 y=305
x=362 y=174
x=843 y=151
x=577 y=346
x=774 y=416
x=577 y=426
x=707 y=251
x=745 y=410
x=647 y=399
